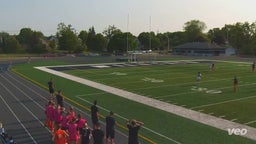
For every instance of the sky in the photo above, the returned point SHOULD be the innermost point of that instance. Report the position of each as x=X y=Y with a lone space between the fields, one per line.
x=135 y=16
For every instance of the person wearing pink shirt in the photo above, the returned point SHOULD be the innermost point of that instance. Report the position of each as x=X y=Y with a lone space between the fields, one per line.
x=58 y=116
x=52 y=116
x=73 y=132
x=47 y=114
x=72 y=113
x=65 y=121
x=80 y=122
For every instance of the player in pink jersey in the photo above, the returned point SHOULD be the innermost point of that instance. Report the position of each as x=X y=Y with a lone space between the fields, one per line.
x=65 y=121
x=72 y=113
x=52 y=116
x=47 y=114
x=80 y=122
x=73 y=132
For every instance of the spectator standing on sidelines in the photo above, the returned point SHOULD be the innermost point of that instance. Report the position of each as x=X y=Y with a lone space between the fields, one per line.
x=60 y=99
x=94 y=114
x=133 y=127
x=110 y=128
x=98 y=134
x=85 y=134
x=235 y=82
x=51 y=89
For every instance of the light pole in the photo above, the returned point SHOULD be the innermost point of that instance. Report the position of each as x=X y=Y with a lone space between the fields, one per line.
x=227 y=36
x=168 y=43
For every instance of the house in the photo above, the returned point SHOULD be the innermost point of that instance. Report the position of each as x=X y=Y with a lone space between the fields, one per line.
x=199 y=49
x=230 y=51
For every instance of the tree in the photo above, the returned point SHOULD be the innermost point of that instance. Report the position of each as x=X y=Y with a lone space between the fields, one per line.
x=149 y=41
x=110 y=32
x=177 y=38
x=11 y=45
x=194 y=28
x=90 y=42
x=25 y=35
x=118 y=43
x=68 y=40
x=83 y=35
x=100 y=43
x=217 y=36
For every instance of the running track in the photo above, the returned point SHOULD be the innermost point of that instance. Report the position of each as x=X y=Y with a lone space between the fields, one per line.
x=22 y=107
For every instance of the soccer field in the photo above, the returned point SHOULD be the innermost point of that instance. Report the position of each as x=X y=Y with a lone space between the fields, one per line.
x=171 y=83
x=177 y=84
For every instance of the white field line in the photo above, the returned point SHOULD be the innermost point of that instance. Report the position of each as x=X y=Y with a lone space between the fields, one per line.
x=180 y=111
x=233 y=100
x=124 y=118
x=251 y=122
x=185 y=93
x=193 y=82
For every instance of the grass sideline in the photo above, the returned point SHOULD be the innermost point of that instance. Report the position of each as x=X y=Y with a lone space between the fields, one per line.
x=178 y=128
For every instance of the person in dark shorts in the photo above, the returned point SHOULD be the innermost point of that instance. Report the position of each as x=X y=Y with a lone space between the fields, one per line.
x=51 y=89
x=85 y=134
x=94 y=114
x=59 y=99
x=110 y=128
x=133 y=127
x=253 y=66
x=235 y=82
x=98 y=134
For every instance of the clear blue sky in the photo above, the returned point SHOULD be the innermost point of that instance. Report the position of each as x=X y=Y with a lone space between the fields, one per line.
x=166 y=15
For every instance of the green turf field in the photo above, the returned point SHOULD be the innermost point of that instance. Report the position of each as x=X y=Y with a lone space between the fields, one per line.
x=175 y=84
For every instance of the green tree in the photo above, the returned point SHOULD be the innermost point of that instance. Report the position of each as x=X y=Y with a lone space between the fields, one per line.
x=11 y=45
x=118 y=43
x=90 y=42
x=83 y=35
x=149 y=41
x=25 y=35
x=217 y=36
x=67 y=38
x=193 y=29
x=100 y=43
x=110 y=32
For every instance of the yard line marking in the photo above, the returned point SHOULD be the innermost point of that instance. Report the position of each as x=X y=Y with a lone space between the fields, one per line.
x=124 y=118
x=183 y=105
x=251 y=122
x=233 y=120
x=233 y=100
x=16 y=117
x=100 y=93
x=178 y=94
x=200 y=110
x=222 y=116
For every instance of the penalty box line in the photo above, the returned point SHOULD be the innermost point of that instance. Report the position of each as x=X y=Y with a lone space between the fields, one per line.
x=124 y=118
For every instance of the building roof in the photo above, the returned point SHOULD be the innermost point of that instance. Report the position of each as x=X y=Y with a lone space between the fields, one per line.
x=198 y=45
